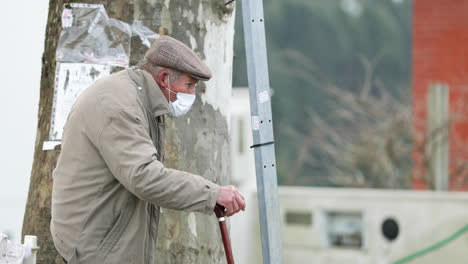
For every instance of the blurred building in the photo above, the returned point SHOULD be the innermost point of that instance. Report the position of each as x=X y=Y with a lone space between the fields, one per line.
x=364 y=226
x=440 y=57
x=244 y=229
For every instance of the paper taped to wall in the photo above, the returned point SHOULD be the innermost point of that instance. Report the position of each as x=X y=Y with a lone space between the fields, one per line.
x=70 y=81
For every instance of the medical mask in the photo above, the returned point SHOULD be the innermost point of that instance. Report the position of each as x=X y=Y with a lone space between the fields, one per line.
x=182 y=104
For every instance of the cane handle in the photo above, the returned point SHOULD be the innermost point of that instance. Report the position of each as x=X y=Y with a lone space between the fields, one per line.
x=219 y=211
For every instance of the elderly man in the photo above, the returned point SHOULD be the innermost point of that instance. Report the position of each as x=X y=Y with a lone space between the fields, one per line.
x=110 y=181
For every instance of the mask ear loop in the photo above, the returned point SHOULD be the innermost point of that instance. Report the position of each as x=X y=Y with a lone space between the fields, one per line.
x=170 y=90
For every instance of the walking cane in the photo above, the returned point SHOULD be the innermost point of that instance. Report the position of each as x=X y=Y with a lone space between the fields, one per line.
x=219 y=211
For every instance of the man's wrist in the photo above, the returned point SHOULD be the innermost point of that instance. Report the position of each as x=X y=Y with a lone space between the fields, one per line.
x=213 y=194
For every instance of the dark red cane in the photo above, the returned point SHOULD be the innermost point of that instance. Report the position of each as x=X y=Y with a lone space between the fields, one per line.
x=219 y=211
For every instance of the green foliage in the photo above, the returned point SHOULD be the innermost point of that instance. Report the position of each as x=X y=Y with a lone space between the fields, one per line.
x=316 y=43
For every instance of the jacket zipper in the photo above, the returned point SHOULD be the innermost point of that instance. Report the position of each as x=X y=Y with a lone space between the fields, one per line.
x=150 y=231
x=151 y=211
x=153 y=124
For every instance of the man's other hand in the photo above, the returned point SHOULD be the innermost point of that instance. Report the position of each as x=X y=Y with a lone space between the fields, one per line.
x=231 y=199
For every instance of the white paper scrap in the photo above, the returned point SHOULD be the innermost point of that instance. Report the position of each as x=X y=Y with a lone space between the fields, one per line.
x=263 y=97
x=255 y=123
x=67 y=18
x=50 y=145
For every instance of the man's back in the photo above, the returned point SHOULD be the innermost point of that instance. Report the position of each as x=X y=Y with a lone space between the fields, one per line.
x=86 y=195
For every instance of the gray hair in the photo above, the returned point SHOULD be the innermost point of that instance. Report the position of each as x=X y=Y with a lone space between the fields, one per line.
x=156 y=69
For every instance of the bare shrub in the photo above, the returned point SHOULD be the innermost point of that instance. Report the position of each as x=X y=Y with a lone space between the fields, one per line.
x=364 y=140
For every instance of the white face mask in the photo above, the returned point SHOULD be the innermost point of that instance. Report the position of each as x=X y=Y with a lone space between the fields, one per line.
x=182 y=104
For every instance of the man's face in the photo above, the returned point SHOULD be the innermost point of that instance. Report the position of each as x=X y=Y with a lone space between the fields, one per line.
x=184 y=84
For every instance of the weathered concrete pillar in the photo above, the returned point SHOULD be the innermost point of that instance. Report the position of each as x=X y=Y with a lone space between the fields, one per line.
x=197 y=143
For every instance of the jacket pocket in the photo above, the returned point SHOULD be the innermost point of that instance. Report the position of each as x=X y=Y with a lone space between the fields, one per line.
x=116 y=229
x=74 y=259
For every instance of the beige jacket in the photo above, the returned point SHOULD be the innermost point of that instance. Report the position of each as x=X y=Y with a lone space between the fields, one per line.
x=109 y=181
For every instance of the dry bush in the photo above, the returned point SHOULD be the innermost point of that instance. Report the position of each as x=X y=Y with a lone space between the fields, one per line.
x=364 y=140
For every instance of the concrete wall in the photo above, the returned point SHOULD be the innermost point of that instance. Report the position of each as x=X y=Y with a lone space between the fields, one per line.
x=423 y=218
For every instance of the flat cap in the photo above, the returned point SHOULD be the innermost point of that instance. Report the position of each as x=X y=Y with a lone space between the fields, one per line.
x=170 y=53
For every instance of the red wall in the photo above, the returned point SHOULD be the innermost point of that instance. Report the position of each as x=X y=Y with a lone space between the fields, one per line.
x=440 y=54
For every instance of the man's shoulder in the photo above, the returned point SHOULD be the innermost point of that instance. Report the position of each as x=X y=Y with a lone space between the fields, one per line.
x=115 y=93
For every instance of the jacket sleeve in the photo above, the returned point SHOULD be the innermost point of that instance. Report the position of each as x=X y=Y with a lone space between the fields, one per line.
x=130 y=155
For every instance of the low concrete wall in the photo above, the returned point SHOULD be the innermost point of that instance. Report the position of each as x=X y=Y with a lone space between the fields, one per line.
x=313 y=218
x=345 y=226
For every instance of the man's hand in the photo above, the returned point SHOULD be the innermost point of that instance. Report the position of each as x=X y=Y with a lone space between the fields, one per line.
x=231 y=199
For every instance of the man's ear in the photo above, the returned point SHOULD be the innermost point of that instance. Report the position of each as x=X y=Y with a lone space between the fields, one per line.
x=163 y=79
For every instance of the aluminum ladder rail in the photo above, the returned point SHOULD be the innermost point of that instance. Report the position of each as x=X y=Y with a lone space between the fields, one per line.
x=262 y=130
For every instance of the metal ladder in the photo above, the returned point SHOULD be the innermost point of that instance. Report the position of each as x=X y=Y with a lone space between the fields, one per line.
x=262 y=130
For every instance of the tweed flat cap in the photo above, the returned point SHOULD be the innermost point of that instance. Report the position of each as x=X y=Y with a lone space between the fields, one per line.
x=170 y=53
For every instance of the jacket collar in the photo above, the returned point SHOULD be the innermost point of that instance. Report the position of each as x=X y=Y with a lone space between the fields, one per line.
x=152 y=95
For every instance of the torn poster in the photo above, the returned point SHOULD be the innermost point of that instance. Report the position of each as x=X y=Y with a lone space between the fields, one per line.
x=90 y=46
x=70 y=81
